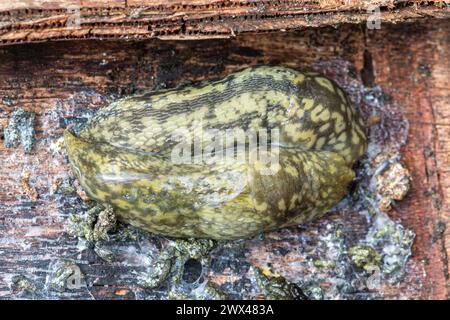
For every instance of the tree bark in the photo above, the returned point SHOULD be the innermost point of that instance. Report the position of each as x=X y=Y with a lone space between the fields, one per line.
x=34 y=20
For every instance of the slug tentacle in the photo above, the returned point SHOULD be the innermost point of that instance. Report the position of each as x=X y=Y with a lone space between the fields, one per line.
x=123 y=156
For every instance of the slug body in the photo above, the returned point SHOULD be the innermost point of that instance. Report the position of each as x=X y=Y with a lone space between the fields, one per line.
x=123 y=156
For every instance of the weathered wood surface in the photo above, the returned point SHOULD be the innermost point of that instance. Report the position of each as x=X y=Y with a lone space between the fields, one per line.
x=60 y=81
x=34 y=21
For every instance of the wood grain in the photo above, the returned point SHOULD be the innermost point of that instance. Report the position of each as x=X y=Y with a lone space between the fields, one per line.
x=34 y=21
x=64 y=81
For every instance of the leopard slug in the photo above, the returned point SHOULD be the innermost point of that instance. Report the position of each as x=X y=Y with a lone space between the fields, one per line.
x=122 y=156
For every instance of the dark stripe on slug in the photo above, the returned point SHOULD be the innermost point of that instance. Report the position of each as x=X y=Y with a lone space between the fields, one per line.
x=253 y=85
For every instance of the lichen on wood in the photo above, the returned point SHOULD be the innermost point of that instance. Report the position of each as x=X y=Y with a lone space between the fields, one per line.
x=20 y=130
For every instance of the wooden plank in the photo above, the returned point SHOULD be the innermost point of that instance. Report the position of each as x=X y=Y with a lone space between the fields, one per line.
x=62 y=82
x=35 y=21
x=422 y=86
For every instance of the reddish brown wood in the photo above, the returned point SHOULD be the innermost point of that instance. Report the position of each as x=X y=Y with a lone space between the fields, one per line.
x=35 y=21
x=63 y=80
x=422 y=85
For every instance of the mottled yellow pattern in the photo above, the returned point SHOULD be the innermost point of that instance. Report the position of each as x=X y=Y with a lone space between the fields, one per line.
x=122 y=155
